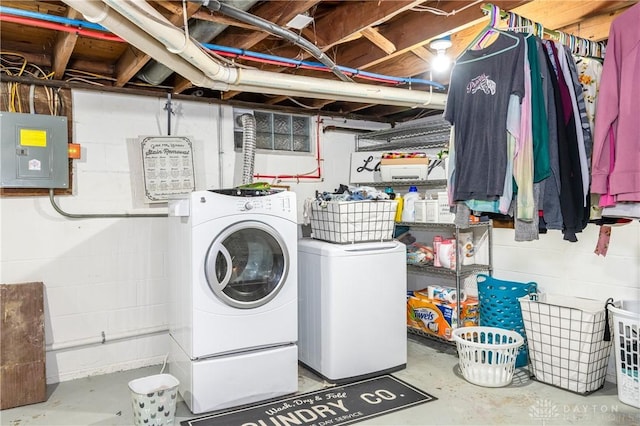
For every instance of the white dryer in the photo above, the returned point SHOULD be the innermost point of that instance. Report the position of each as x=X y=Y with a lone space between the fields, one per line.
x=233 y=279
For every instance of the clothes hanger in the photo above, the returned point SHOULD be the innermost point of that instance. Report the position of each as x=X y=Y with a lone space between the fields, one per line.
x=489 y=29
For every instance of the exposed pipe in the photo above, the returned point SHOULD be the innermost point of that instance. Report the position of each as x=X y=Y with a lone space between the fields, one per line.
x=203 y=31
x=98 y=215
x=272 y=28
x=155 y=73
x=156 y=26
x=102 y=339
x=248 y=122
x=316 y=174
x=97 y=12
x=144 y=16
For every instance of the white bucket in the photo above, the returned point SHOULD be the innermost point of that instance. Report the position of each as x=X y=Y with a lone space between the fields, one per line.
x=153 y=399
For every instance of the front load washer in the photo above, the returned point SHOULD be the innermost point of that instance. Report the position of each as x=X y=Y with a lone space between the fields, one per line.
x=233 y=307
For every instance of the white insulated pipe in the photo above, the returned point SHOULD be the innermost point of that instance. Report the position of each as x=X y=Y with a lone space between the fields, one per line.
x=176 y=40
x=97 y=12
x=149 y=24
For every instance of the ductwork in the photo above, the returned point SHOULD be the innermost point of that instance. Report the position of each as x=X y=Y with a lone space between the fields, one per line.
x=248 y=122
x=148 y=30
x=155 y=72
x=97 y=12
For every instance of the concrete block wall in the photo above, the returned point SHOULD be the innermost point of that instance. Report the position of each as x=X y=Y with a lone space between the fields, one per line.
x=573 y=269
x=105 y=279
x=109 y=275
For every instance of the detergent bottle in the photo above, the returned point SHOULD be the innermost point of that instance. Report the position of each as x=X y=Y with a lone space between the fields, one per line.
x=409 y=208
x=399 y=207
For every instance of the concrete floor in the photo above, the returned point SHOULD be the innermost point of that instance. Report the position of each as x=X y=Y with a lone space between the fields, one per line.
x=432 y=367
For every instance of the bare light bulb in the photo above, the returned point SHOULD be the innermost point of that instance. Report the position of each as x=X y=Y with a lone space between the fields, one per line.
x=441 y=62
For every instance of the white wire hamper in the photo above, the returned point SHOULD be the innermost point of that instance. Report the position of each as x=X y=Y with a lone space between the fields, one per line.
x=626 y=326
x=487 y=355
x=566 y=340
x=353 y=221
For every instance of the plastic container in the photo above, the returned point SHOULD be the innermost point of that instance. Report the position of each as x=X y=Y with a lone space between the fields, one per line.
x=153 y=399
x=400 y=208
x=437 y=242
x=487 y=355
x=409 y=208
x=626 y=326
x=499 y=306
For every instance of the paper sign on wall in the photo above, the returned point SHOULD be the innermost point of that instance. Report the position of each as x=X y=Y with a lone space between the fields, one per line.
x=167 y=164
x=365 y=167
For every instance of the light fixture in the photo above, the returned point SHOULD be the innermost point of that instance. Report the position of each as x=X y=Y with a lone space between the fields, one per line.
x=441 y=62
x=299 y=22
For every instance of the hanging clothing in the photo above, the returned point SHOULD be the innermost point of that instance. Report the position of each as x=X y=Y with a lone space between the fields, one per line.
x=571 y=193
x=523 y=159
x=539 y=121
x=618 y=109
x=550 y=187
x=481 y=83
x=589 y=74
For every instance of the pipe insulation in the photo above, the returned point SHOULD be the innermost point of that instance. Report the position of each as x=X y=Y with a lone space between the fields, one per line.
x=144 y=16
x=99 y=13
x=203 y=31
x=155 y=73
x=248 y=122
x=150 y=24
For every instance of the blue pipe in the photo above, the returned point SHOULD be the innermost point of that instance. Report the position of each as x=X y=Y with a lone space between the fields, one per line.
x=232 y=50
x=298 y=62
x=52 y=18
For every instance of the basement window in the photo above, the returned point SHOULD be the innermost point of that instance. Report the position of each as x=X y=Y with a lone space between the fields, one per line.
x=278 y=132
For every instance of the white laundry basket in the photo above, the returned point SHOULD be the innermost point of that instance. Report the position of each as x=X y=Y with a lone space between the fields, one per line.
x=567 y=340
x=487 y=355
x=626 y=325
x=153 y=399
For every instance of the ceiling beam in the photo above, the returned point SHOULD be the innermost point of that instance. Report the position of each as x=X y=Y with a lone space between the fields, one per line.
x=351 y=17
x=411 y=32
x=273 y=11
x=63 y=48
x=595 y=28
x=133 y=59
x=376 y=38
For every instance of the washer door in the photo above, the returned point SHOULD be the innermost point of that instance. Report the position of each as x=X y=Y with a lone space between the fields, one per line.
x=247 y=264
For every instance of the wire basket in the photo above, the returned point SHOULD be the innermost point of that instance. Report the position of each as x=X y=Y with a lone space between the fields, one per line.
x=353 y=221
x=499 y=306
x=566 y=339
x=626 y=325
x=487 y=355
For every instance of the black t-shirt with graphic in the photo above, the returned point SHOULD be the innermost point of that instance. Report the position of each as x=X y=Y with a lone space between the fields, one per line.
x=481 y=84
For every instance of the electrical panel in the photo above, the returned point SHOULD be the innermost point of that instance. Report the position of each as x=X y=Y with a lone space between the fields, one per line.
x=33 y=151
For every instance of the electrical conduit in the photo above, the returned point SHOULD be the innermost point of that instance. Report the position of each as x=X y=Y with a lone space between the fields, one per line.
x=100 y=13
x=41 y=20
x=144 y=16
x=246 y=80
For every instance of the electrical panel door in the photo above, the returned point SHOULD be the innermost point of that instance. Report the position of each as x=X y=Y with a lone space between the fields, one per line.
x=33 y=151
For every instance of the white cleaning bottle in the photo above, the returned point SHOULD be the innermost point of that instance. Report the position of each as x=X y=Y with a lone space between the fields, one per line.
x=409 y=208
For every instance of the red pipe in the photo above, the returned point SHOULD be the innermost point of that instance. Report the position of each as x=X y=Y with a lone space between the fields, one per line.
x=60 y=27
x=114 y=38
x=317 y=173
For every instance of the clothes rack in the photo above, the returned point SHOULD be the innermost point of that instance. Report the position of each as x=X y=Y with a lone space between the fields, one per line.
x=578 y=45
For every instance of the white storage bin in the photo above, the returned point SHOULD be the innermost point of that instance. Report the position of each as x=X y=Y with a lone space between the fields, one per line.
x=353 y=221
x=566 y=340
x=626 y=325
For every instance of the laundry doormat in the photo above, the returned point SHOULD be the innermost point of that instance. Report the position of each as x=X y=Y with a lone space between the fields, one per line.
x=338 y=405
